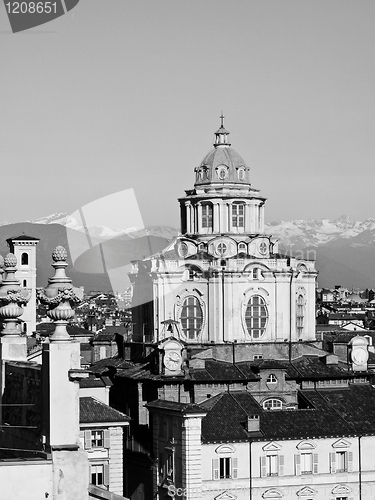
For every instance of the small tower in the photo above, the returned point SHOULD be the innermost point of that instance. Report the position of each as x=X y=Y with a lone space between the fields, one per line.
x=24 y=248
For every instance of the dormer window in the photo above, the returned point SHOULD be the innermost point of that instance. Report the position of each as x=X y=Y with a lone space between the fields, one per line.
x=207 y=215
x=241 y=174
x=238 y=215
x=272 y=404
x=222 y=173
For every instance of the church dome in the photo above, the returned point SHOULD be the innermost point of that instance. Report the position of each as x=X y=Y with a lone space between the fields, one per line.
x=222 y=165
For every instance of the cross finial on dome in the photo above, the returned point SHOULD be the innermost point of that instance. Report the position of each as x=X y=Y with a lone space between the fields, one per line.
x=222 y=134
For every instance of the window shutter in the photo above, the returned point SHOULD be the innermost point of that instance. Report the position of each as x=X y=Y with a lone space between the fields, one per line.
x=107 y=439
x=215 y=468
x=281 y=465
x=350 y=461
x=263 y=466
x=332 y=462
x=315 y=463
x=87 y=440
x=106 y=475
x=234 y=468
x=297 y=464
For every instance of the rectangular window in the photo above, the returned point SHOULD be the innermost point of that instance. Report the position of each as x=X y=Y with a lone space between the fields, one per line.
x=97 y=475
x=306 y=463
x=272 y=464
x=97 y=439
x=238 y=215
x=224 y=465
x=207 y=216
x=341 y=461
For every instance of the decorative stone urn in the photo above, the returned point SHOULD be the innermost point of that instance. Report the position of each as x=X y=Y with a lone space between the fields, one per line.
x=12 y=298
x=59 y=296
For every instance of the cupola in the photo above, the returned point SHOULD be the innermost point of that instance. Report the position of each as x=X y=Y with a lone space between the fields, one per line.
x=222 y=166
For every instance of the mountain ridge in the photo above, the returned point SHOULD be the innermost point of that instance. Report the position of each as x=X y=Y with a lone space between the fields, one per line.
x=344 y=249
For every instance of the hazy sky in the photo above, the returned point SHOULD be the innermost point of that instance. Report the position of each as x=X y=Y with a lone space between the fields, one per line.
x=122 y=94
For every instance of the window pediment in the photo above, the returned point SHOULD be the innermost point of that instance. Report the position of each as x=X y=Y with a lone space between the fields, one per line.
x=225 y=496
x=306 y=492
x=225 y=448
x=341 y=444
x=340 y=489
x=272 y=493
x=306 y=445
x=272 y=446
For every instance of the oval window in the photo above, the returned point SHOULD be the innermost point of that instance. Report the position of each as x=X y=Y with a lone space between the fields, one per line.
x=191 y=317
x=256 y=316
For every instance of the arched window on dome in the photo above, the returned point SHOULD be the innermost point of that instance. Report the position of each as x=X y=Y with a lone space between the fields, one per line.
x=191 y=317
x=25 y=259
x=256 y=316
x=242 y=247
x=300 y=314
x=273 y=404
x=238 y=215
x=207 y=215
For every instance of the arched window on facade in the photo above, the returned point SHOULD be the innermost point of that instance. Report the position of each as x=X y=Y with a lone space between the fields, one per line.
x=25 y=259
x=238 y=215
x=25 y=328
x=191 y=317
x=272 y=404
x=256 y=316
x=207 y=215
x=24 y=283
x=256 y=273
x=300 y=314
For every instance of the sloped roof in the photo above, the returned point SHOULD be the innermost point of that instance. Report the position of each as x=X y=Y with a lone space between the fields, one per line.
x=23 y=237
x=162 y=404
x=103 y=365
x=92 y=410
x=344 y=412
x=221 y=371
x=93 y=381
x=356 y=404
x=314 y=367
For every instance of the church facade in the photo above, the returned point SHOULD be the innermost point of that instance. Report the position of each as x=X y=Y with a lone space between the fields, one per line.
x=223 y=280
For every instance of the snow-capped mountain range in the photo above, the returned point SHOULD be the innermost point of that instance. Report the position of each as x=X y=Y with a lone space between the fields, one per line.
x=102 y=232
x=292 y=234
x=314 y=233
x=344 y=249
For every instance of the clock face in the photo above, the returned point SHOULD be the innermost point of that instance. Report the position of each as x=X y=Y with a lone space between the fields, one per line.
x=359 y=356
x=172 y=360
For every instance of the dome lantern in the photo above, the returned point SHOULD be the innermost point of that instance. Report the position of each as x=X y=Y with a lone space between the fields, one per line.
x=222 y=135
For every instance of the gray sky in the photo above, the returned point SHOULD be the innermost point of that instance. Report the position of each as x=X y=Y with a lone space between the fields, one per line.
x=122 y=94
